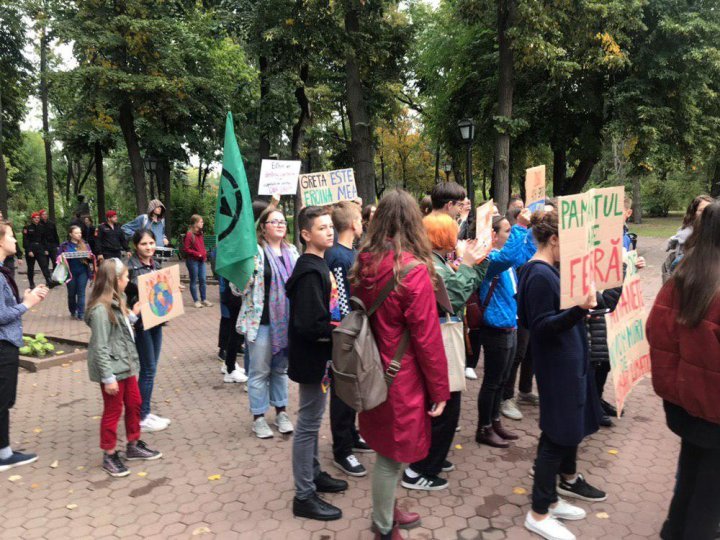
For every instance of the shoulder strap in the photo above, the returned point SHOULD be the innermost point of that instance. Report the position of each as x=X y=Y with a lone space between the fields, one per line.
x=493 y=285
x=390 y=287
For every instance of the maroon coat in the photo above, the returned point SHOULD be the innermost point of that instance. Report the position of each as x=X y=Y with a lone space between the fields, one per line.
x=400 y=428
x=685 y=361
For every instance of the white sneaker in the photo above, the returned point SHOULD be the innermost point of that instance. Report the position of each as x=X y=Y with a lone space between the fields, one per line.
x=549 y=528
x=470 y=374
x=283 y=423
x=223 y=369
x=160 y=419
x=509 y=409
x=565 y=510
x=261 y=429
x=150 y=424
x=235 y=377
x=198 y=305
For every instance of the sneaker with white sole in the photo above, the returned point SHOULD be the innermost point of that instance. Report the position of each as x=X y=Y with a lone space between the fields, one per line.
x=149 y=425
x=16 y=460
x=261 y=429
x=549 y=528
x=423 y=483
x=223 y=369
x=283 y=423
x=140 y=451
x=509 y=409
x=580 y=489
x=207 y=303
x=198 y=305
x=565 y=510
x=350 y=466
x=235 y=377
x=160 y=419
x=529 y=397
x=470 y=374
x=113 y=465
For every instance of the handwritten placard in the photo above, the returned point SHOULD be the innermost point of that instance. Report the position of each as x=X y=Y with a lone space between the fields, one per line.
x=591 y=229
x=328 y=187
x=627 y=341
x=160 y=296
x=535 y=188
x=483 y=220
x=278 y=177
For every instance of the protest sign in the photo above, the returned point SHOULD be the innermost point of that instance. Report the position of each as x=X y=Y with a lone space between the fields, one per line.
x=278 y=177
x=591 y=231
x=159 y=296
x=328 y=187
x=535 y=188
x=483 y=220
x=627 y=342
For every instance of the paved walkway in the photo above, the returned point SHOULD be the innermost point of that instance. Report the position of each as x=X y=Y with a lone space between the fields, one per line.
x=218 y=481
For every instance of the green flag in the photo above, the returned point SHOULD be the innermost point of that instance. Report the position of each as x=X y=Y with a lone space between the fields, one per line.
x=234 y=224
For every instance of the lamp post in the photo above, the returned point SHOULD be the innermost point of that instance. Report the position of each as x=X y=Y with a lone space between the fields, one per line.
x=447 y=167
x=150 y=163
x=467 y=134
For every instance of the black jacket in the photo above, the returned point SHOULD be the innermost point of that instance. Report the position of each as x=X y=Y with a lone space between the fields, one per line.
x=597 y=327
x=310 y=331
x=33 y=238
x=49 y=232
x=110 y=240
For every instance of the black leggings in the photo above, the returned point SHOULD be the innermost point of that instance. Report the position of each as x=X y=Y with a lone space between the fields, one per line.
x=9 y=364
x=499 y=346
x=552 y=459
x=443 y=432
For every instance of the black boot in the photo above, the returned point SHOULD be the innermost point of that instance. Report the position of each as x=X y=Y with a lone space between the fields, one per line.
x=315 y=508
x=324 y=483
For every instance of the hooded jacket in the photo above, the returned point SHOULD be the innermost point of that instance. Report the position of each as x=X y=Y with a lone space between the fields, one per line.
x=310 y=330
x=144 y=221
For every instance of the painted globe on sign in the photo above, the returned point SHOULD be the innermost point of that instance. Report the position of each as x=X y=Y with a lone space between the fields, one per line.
x=161 y=299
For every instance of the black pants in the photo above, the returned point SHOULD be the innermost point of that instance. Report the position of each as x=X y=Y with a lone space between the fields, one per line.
x=695 y=508
x=523 y=362
x=230 y=340
x=10 y=265
x=443 y=432
x=52 y=255
x=499 y=346
x=9 y=364
x=602 y=370
x=42 y=261
x=472 y=355
x=552 y=459
x=342 y=425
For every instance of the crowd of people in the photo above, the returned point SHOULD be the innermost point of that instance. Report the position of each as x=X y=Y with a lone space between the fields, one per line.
x=435 y=298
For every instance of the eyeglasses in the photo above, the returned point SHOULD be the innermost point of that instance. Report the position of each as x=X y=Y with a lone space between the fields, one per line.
x=277 y=222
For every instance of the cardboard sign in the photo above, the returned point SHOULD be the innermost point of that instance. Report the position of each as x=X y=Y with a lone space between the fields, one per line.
x=535 y=188
x=160 y=296
x=627 y=341
x=591 y=248
x=483 y=220
x=328 y=187
x=278 y=177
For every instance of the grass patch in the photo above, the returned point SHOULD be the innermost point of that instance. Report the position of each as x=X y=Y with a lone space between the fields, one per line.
x=658 y=227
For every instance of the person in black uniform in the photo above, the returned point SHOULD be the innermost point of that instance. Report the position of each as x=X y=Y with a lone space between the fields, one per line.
x=50 y=236
x=33 y=240
x=110 y=240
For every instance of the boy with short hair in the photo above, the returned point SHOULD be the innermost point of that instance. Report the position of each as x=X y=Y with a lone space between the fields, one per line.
x=12 y=308
x=347 y=220
x=310 y=290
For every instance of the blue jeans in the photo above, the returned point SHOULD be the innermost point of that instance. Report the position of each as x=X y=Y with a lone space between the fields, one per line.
x=197 y=272
x=76 y=294
x=148 y=343
x=267 y=375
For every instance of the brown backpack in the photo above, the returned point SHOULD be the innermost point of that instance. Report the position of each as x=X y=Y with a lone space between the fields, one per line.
x=358 y=375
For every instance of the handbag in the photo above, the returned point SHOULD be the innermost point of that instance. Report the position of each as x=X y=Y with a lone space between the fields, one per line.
x=61 y=274
x=475 y=310
x=454 y=343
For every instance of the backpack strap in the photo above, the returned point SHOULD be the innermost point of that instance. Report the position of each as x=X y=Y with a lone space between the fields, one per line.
x=493 y=285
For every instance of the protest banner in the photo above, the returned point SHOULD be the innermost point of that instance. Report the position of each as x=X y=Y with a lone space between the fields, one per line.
x=483 y=230
x=159 y=296
x=626 y=338
x=278 y=177
x=328 y=187
x=591 y=231
x=535 y=188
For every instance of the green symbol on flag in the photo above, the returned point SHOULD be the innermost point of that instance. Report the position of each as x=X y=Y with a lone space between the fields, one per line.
x=234 y=223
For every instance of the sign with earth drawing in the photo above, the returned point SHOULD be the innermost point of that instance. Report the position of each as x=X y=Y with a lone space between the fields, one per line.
x=160 y=296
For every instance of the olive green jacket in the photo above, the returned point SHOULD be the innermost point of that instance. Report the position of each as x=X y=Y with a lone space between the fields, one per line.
x=460 y=284
x=112 y=355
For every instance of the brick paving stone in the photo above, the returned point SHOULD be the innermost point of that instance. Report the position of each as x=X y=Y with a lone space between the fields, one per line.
x=56 y=412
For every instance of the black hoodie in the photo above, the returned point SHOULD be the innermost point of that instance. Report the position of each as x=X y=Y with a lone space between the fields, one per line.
x=310 y=331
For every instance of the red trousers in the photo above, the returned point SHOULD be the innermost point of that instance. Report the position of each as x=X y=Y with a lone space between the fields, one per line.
x=128 y=395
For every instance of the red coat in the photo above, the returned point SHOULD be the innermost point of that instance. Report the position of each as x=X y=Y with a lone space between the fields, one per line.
x=194 y=246
x=400 y=428
x=685 y=361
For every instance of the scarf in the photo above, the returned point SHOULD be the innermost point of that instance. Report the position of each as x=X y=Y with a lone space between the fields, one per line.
x=5 y=271
x=279 y=308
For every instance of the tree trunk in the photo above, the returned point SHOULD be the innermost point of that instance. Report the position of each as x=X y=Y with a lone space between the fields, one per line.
x=298 y=139
x=3 y=168
x=637 y=202
x=714 y=179
x=163 y=173
x=559 y=171
x=581 y=176
x=127 y=124
x=506 y=85
x=99 y=182
x=361 y=147
x=437 y=161
x=45 y=121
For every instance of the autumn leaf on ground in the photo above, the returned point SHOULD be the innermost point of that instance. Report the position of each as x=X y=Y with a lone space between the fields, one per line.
x=54 y=464
x=142 y=474
x=613 y=452
x=214 y=477
x=602 y=515
x=71 y=506
x=37 y=430
x=201 y=530
x=458 y=447
x=519 y=491
x=15 y=478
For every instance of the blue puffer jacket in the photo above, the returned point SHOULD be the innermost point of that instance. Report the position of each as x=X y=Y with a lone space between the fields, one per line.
x=502 y=309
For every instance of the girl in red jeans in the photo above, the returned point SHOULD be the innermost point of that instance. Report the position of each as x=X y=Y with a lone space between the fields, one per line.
x=113 y=363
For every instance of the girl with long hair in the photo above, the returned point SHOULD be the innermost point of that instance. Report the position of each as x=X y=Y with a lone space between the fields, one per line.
x=113 y=363
x=263 y=319
x=196 y=256
x=683 y=330
x=80 y=271
x=399 y=430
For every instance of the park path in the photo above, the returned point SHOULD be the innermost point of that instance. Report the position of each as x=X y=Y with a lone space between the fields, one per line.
x=217 y=481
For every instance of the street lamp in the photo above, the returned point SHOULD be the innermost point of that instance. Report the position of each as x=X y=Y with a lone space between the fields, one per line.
x=447 y=167
x=150 y=163
x=467 y=134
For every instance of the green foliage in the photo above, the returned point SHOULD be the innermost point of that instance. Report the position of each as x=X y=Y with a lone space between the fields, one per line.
x=187 y=200
x=37 y=346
